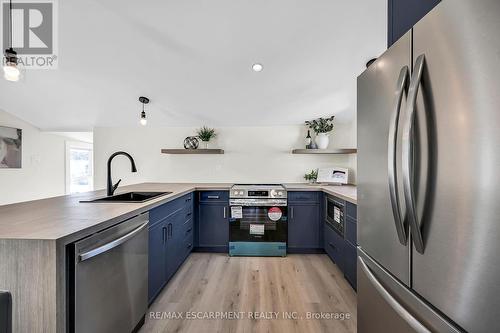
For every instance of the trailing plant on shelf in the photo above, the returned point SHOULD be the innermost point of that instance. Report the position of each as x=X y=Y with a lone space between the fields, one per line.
x=206 y=134
x=322 y=127
x=312 y=176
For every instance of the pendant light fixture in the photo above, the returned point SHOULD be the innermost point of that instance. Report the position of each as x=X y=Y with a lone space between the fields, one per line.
x=143 y=100
x=11 y=70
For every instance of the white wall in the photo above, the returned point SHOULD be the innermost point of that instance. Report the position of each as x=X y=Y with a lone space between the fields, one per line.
x=252 y=154
x=43 y=166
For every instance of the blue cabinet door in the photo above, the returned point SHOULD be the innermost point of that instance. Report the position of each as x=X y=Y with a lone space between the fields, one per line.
x=350 y=256
x=170 y=252
x=156 y=260
x=178 y=236
x=174 y=238
x=213 y=226
x=188 y=240
x=403 y=14
x=304 y=227
x=168 y=235
x=334 y=246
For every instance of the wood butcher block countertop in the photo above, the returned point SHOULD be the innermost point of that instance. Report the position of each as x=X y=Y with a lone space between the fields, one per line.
x=65 y=219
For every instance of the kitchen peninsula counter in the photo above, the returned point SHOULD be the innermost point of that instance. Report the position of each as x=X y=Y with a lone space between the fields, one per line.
x=35 y=235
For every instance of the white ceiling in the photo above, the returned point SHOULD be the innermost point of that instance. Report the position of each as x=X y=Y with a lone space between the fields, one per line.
x=193 y=60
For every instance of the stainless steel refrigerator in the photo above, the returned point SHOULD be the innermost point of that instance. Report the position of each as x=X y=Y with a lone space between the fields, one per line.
x=428 y=176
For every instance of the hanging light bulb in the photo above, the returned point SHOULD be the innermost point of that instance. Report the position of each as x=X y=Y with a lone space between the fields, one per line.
x=11 y=70
x=144 y=120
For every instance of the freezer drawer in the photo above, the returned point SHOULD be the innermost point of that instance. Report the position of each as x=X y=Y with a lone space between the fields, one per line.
x=386 y=305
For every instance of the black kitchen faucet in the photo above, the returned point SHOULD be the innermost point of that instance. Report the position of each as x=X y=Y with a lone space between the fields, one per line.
x=112 y=188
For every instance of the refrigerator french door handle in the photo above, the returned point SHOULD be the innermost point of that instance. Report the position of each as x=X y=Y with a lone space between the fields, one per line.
x=407 y=156
x=393 y=303
x=391 y=156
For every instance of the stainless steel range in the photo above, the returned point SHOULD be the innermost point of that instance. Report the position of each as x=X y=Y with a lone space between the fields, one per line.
x=258 y=220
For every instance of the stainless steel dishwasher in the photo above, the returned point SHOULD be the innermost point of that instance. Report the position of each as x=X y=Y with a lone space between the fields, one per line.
x=109 y=279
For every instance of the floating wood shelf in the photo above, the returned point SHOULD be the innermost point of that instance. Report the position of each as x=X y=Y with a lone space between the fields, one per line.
x=181 y=151
x=325 y=151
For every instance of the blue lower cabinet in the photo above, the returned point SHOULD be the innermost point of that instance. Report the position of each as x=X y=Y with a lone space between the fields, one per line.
x=334 y=246
x=304 y=196
x=213 y=227
x=350 y=255
x=156 y=260
x=350 y=230
x=304 y=227
x=174 y=243
x=187 y=244
x=171 y=255
x=342 y=248
x=168 y=234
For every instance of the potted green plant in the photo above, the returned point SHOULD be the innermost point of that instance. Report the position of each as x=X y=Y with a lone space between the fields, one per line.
x=322 y=127
x=206 y=134
x=312 y=176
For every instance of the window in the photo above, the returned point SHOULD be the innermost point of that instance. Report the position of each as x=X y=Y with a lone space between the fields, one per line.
x=79 y=167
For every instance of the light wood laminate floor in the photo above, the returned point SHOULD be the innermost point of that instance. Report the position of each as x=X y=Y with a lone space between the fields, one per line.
x=216 y=284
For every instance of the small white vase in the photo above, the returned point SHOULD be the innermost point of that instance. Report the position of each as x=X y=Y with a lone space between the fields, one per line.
x=322 y=140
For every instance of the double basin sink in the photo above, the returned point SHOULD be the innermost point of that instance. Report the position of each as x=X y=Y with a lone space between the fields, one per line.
x=133 y=197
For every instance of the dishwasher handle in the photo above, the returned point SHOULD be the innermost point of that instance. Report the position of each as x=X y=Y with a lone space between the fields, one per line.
x=111 y=245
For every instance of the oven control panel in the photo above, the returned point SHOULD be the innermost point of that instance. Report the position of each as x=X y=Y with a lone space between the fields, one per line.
x=238 y=193
x=258 y=192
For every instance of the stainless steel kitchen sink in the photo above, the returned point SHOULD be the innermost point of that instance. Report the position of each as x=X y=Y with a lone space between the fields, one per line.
x=129 y=197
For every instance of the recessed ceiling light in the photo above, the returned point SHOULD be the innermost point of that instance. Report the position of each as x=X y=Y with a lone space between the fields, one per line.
x=257 y=67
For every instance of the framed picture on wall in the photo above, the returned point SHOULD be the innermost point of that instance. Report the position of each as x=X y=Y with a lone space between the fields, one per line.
x=11 y=140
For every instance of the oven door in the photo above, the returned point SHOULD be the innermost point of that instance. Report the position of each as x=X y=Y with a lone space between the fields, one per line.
x=258 y=221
